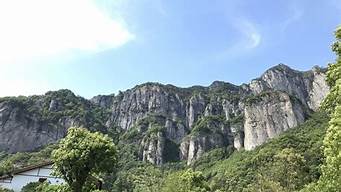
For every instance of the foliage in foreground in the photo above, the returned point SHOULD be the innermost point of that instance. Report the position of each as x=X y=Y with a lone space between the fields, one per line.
x=330 y=180
x=82 y=154
x=185 y=181
x=5 y=190
x=8 y=162
x=45 y=187
x=268 y=167
x=271 y=164
x=286 y=163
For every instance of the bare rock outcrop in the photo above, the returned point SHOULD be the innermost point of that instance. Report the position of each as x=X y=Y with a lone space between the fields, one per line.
x=268 y=115
x=190 y=121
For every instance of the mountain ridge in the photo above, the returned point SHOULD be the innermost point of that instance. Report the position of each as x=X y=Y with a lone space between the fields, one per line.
x=193 y=120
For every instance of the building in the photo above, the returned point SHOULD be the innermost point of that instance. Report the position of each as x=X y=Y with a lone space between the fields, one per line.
x=35 y=173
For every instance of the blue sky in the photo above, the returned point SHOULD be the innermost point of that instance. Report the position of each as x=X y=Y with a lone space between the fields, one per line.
x=100 y=46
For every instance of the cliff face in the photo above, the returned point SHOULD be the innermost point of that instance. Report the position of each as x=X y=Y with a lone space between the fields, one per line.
x=269 y=115
x=309 y=87
x=29 y=123
x=208 y=133
x=170 y=123
x=22 y=132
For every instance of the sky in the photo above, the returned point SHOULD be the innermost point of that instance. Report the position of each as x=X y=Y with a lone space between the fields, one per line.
x=102 y=46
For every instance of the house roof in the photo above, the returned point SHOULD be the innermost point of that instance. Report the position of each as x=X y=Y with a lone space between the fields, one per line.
x=27 y=168
x=31 y=167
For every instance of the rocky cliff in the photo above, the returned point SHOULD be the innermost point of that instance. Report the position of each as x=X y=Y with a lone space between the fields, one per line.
x=268 y=115
x=167 y=123
x=29 y=123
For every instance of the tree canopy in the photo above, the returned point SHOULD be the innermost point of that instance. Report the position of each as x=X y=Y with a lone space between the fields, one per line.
x=186 y=181
x=82 y=154
x=330 y=180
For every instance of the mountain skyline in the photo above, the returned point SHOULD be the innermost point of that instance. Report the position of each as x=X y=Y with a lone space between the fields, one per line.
x=113 y=45
x=213 y=83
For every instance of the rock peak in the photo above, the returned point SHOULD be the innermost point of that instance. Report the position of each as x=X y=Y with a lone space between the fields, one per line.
x=60 y=92
x=218 y=84
x=281 y=67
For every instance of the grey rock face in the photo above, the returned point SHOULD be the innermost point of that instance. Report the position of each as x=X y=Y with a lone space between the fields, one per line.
x=194 y=146
x=272 y=114
x=209 y=133
x=243 y=121
x=21 y=132
x=103 y=100
x=237 y=131
x=309 y=87
x=196 y=108
x=153 y=149
x=318 y=88
x=137 y=103
x=29 y=123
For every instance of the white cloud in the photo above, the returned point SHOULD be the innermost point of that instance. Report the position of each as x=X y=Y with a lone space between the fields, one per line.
x=295 y=14
x=44 y=27
x=251 y=36
x=16 y=87
x=255 y=39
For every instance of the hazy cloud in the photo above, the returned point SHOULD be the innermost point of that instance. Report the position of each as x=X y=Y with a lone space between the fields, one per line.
x=40 y=27
x=251 y=35
x=250 y=38
x=295 y=13
x=16 y=87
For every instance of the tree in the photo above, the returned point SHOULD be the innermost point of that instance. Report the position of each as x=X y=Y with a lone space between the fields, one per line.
x=185 y=181
x=286 y=172
x=289 y=169
x=31 y=187
x=330 y=180
x=263 y=184
x=331 y=170
x=46 y=187
x=5 y=190
x=6 y=167
x=82 y=154
x=333 y=99
x=146 y=178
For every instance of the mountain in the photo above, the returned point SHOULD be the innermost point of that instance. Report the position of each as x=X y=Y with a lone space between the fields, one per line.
x=167 y=123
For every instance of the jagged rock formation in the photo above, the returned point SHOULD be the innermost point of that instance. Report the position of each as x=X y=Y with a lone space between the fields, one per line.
x=309 y=87
x=153 y=148
x=208 y=133
x=22 y=132
x=268 y=115
x=29 y=123
x=168 y=123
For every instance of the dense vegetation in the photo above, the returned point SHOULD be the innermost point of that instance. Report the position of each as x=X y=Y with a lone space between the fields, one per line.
x=55 y=105
x=330 y=181
x=223 y=169
x=81 y=154
x=8 y=162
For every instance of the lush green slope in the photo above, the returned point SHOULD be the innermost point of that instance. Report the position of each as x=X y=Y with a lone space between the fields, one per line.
x=286 y=163
x=299 y=150
x=67 y=105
